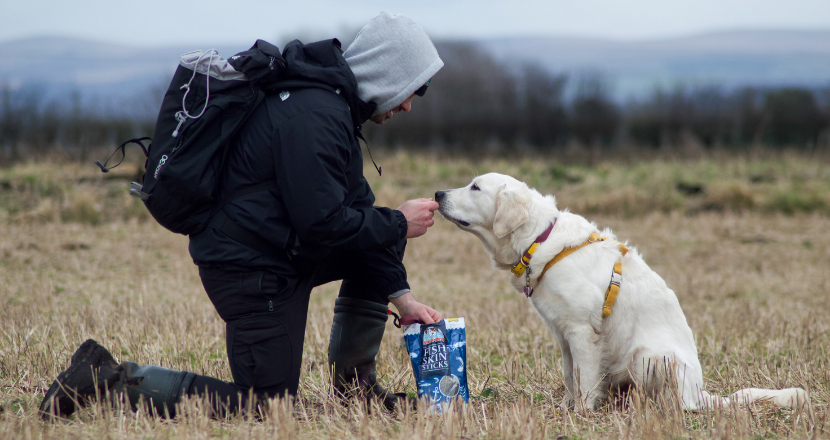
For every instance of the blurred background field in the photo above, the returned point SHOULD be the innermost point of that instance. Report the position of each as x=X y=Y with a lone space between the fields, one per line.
x=742 y=240
x=627 y=183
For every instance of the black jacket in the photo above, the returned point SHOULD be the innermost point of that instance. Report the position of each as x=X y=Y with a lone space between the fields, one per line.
x=303 y=135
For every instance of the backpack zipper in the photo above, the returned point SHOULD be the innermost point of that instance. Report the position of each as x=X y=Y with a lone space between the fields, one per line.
x=165 y=158
x=162 y=161
x=181 y=118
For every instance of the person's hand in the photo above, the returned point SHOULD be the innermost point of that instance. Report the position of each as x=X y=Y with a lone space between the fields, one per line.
x=408 y=305
x=418 y=213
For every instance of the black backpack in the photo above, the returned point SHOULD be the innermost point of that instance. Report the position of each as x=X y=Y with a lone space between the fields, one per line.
x=205 y=106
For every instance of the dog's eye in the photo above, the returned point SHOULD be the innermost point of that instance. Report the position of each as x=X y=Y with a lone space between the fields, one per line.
x=475 y=188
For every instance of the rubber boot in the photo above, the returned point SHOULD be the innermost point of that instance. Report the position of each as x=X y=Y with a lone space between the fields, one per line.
x=94 y=374
x=160 y=388
x=355 y=339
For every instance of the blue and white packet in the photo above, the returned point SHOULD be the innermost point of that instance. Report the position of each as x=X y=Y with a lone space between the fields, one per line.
x=439 y=359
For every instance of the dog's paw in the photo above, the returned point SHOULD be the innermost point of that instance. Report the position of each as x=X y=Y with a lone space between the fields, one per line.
x=567 y=403
x=588 y=405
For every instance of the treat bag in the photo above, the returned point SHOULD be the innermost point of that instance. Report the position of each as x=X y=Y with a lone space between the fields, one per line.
x=439 y=360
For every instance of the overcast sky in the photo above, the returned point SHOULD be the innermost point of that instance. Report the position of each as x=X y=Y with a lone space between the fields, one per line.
x=174 y=22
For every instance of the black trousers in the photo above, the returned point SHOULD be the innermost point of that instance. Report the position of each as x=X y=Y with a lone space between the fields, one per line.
x=265 y=315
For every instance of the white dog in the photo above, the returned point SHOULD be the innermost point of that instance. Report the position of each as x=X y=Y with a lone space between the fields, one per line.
x=643 y=341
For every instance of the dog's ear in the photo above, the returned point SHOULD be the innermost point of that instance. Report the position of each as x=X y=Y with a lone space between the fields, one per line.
x=512 y=211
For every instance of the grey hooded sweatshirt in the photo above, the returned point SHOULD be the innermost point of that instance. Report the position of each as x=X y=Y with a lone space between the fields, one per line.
x=391 y=58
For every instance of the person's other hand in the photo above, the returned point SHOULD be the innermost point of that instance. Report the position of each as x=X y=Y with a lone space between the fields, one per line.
x=418 y=213
x=408 y=305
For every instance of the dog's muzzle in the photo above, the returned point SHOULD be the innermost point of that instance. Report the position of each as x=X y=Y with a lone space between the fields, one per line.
x=443 y=205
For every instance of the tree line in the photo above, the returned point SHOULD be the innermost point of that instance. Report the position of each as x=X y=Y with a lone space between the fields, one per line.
x=476 y=104
x=32 y=126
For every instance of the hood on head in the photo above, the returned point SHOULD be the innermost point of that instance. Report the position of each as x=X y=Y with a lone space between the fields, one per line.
x=322 y=63
x=391 y=58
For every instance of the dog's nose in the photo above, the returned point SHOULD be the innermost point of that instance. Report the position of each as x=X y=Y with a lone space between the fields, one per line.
x=440 y=195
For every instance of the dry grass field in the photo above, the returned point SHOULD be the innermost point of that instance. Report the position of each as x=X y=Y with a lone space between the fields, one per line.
x=749 y=259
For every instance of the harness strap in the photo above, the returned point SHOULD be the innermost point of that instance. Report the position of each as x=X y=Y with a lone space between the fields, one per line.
x=616 y=276
x=567 y=251
x=614 y=287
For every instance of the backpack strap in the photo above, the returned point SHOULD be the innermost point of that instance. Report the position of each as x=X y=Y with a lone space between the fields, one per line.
x=220 y=220
x=262 y=186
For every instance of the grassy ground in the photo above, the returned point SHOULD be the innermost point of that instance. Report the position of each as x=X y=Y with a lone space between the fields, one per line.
x=747 y=258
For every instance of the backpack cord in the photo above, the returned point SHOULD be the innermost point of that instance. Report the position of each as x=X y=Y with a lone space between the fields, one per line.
x=182 y=115
x=121 y=147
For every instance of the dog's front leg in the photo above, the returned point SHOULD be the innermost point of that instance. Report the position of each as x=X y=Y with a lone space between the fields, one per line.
x=568 y=373
x=586 y=367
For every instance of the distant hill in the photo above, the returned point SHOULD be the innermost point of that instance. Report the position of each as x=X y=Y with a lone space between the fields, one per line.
x=760 y=58
x=113 y=75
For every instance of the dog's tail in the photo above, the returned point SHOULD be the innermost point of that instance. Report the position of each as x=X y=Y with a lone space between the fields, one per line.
x=787 y=398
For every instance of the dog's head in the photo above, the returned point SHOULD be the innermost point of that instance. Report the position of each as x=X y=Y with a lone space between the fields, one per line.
x=494 y=207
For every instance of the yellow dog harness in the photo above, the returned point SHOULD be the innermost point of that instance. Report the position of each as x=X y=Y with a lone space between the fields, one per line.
x=523 y=266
